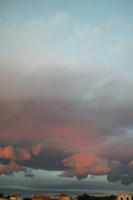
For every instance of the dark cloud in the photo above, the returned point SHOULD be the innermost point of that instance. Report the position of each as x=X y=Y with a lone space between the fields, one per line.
x=48 y=159
x=122 y=173
x=76 y=121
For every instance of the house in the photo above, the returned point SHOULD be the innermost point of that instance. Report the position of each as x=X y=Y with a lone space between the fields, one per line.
x=64 y=197
x=42 y=197
x=53 y=197
x=16 y=197
x=124 y=197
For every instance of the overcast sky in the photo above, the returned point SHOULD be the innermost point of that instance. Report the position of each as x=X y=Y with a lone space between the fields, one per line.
x=66 y=100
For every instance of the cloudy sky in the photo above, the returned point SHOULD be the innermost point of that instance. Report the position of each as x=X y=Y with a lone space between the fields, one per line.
x=66 y=95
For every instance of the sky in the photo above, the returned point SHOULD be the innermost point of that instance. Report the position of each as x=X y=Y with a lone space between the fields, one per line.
x=66 y=101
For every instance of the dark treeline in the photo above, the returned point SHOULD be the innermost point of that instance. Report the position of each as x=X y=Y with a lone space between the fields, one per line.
x=1 y=195
x=90 y=197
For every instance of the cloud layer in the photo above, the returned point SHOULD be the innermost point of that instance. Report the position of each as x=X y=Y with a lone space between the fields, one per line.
x=74 y=114
x=75 y=117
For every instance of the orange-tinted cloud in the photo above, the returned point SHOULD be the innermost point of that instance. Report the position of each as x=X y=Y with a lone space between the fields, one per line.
x=7 y=152
x=36 y=149
x=23 y=154
x=14 y=155
x=83 y=164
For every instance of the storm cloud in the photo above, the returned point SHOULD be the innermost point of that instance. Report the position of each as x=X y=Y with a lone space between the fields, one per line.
x=74 y=117
x=84 y=117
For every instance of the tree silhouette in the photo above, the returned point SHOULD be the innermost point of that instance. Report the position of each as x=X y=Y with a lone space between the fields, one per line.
x=1 y=194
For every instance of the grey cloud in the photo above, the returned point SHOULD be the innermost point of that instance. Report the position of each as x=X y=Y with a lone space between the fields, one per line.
x=58 y=106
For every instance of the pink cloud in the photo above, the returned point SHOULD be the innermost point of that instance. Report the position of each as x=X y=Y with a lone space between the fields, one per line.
x=14 y=154
x=36 y=149
x=7 y=152
x=86 y=163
